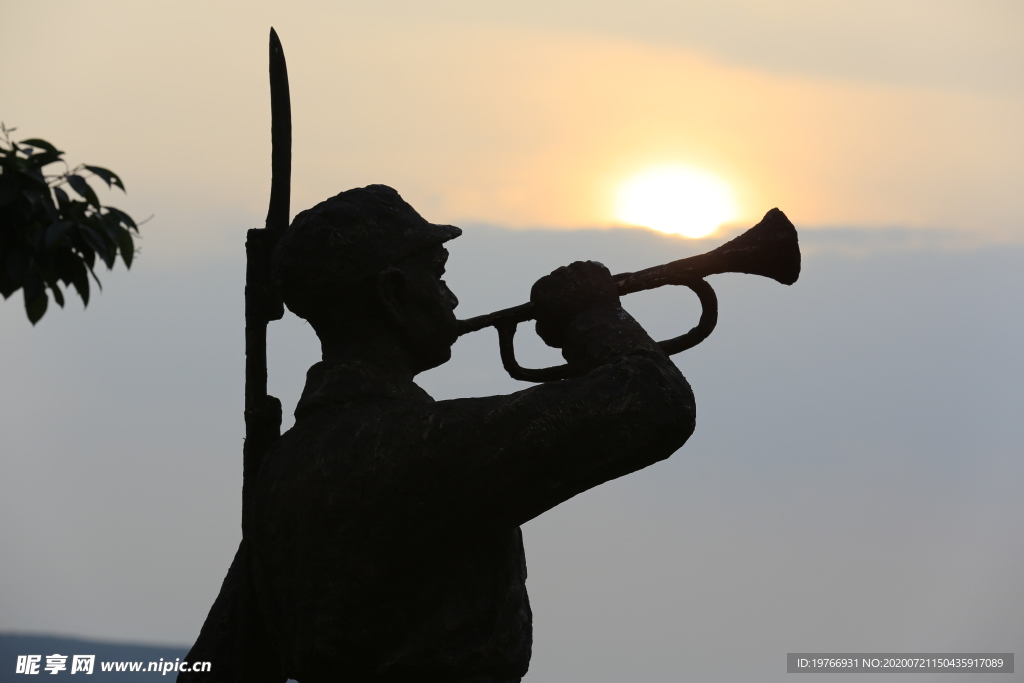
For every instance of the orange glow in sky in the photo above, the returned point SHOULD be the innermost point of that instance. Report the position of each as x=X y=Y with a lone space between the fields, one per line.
x=540 y=121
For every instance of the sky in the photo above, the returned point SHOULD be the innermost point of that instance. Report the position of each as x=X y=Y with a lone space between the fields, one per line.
x=853 y=483
x=530 y=114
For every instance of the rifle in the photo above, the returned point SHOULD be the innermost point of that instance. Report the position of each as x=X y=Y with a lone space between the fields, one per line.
x=262 y=302
x=234 y=637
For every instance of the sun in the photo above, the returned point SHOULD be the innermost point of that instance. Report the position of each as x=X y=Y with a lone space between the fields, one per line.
x=676 y=199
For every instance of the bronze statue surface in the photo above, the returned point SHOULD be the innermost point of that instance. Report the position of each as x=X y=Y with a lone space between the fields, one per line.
x=386 y=531
x=384 y=540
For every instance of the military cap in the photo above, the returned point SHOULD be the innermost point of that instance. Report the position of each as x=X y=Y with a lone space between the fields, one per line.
x=345 y=240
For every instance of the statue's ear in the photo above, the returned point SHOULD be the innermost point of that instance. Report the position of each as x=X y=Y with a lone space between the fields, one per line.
x=392 y=290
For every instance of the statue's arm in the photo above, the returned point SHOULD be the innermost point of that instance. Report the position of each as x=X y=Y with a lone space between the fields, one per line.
x=510 y=458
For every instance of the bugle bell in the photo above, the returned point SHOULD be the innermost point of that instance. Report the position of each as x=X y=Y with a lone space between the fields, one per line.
x=769 y=249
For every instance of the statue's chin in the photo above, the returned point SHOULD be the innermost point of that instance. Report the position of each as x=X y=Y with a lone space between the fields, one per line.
x=435 y=358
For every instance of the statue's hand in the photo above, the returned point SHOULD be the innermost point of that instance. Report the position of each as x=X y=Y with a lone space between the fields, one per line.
x=567 y=292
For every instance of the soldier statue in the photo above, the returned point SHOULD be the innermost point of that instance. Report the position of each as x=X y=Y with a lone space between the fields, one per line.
x=385 y=537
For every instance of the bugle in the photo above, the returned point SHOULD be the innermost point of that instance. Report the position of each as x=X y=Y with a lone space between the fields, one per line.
x=769 y=249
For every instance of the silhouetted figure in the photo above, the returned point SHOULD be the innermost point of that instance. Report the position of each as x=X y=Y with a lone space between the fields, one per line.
x=385 y=534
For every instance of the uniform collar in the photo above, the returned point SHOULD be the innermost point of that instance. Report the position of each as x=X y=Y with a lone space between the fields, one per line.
x=335 y=383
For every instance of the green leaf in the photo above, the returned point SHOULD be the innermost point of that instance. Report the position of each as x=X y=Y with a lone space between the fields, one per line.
x=79 y=185
x=80 y=280
x=63 y=200
x=122 y=217
x=110 y=225
x=41 y=159
x=35 y=297
x=93 y=273
x=98 y=239
x=33 y=283
x=127 y=247
x=57 y=231
x=8 y=189
x=58 y=295
x=8 y=286
x=35 y=175
x=63 y=260
x=17 y=264
x=108 y=176
x=40 y=204
x=36 y=307
x=42 y=144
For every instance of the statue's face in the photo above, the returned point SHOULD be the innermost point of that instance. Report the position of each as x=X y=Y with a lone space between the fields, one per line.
x=425 y=312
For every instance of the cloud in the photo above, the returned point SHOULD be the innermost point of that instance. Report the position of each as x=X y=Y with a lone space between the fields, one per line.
x=522 y=117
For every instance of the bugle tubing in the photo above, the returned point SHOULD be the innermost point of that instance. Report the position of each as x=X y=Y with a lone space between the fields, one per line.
x=769 y=249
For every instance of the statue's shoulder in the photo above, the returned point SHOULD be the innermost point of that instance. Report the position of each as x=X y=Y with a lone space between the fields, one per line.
x=349 y=415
